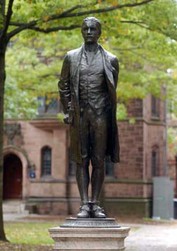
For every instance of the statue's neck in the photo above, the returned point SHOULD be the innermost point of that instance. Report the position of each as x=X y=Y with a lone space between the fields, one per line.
x=92 y=47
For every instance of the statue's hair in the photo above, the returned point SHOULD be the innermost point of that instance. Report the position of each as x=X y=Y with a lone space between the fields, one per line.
x=93 y=19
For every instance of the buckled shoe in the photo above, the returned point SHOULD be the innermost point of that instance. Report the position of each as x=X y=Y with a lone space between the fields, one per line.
x=84 y=211
x=98 y=212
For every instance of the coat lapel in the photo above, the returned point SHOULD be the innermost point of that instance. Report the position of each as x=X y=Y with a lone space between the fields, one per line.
x=75 y=71
x=108 y=67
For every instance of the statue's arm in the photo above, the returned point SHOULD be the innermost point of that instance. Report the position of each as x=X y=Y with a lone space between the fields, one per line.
x=115 y=65
x=64 y=88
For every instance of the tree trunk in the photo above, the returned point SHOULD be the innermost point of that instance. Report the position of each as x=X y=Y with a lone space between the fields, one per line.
x=2 y=84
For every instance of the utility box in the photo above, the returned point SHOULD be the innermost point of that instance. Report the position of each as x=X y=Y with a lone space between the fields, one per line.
x=163 y=195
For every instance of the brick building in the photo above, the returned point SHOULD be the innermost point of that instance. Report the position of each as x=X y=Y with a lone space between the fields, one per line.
x=38 y=171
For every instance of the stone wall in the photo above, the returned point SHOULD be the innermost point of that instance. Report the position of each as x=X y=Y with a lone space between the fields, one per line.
x=127 y=191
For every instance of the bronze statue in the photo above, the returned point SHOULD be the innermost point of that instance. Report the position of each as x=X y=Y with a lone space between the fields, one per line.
x=87 y=90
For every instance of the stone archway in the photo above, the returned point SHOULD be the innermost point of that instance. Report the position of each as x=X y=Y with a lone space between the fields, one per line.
x=12 y=177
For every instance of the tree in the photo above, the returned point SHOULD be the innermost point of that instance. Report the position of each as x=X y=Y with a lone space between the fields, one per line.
x=44 y=17
x=143 y=46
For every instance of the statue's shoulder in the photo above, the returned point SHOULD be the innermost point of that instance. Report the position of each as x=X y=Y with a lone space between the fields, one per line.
x=110 y=57
x=74 y=52
x=109 y=54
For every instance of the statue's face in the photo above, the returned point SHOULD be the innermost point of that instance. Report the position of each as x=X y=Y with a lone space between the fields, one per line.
x=90 y=32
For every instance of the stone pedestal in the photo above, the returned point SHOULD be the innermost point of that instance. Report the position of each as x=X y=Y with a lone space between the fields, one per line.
x=89 y=234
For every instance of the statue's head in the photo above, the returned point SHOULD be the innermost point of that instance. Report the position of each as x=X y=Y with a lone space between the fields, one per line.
x=91 y=29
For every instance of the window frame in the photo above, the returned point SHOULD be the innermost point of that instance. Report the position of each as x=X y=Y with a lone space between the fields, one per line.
x=155 y=161
x=155 y=107
x=45 y=170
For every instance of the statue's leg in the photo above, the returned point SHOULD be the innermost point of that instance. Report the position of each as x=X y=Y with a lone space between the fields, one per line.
x=97 y=178
x=99 y=144
x=83 y=179
x=82 y=171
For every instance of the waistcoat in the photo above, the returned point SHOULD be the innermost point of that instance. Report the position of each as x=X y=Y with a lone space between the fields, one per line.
x=92 y=84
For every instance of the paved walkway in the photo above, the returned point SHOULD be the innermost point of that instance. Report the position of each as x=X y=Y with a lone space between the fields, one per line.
x=150 y=235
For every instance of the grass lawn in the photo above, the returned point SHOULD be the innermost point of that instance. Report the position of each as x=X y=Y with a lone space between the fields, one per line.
x=35 y=233
x=28 y=236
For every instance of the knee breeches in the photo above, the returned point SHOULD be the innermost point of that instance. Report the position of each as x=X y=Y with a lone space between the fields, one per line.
x=93 y=133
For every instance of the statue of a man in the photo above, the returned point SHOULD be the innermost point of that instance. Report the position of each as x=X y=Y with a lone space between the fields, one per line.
x=87 y=90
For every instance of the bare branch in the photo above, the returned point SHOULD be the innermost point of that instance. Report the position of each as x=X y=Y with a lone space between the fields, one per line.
x=67 y=14
x=17 y=24
x=32 y=25
x=147 y=27
x=71 y=27
x=102 y=10
x=38 y=29
x=71 y=9
x=137 y=22
x=34 y=22
x=20 y=28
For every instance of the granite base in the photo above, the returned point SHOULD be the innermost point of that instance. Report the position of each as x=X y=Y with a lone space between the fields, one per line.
x=91 y=237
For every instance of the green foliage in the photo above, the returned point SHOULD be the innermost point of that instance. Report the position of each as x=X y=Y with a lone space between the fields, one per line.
x=1 y=18
x=19 y=103
x=172 y=141
x=121 y=112
x=20 y=97
x=60 y=117
x=143 y=38
x=144 y=51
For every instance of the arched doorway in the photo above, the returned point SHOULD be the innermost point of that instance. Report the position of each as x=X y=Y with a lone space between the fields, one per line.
x=12 y=177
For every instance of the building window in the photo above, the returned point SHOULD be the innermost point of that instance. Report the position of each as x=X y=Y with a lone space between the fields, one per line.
x=155 y=107
x=109 y=167
x=155 y=162
x=46 y=161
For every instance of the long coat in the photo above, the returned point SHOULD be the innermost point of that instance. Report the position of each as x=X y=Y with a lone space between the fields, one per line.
x=69 y=96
